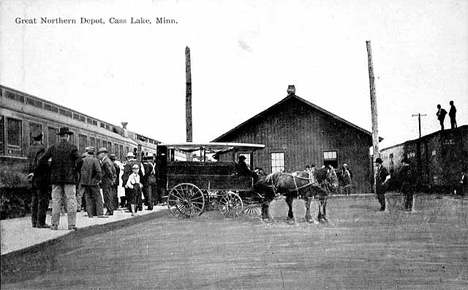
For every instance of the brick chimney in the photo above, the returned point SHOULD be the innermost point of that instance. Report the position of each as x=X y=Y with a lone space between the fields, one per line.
x=291 y=90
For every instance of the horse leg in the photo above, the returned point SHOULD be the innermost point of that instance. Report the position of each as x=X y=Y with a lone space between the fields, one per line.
x=265 y=210
x=308 y=216
x=289 y=201
x=322 y=207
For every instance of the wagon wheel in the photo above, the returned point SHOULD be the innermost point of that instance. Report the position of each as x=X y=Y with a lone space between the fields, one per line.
x=253 y=209
x=230 y=205
x=186 y=199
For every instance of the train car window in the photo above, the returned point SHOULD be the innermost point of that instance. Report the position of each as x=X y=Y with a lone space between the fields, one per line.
x=92 y=142
x=14 y=133
x=109 y=146
x=128 y=150
x=53 y=137
x=2 y=135
x=82 y=142
x=33 y=129
x=121 y=152
x=116 y=150
x=72 y=138
x=98 y=143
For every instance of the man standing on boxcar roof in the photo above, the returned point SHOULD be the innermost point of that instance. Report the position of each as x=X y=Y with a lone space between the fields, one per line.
x=381 y=178
x=63 y=175
x=441 y=112
x=453 y=115
x=39 y=174
x=108 y=179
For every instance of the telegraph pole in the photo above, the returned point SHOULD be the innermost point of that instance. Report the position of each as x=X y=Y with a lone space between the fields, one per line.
x=373 y=100
x=188 y=95
x=419 y=121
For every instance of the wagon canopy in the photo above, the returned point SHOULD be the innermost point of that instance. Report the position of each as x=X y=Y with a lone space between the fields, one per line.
x=213 y=147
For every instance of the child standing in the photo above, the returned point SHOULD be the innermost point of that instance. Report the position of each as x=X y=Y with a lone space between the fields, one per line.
x=135 y=186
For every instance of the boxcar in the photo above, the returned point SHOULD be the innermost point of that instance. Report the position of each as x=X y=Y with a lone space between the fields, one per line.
x=438 y=159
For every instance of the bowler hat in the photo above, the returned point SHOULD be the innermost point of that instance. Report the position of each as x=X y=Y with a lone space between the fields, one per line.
x=112 y=156
x=84 y=155
x=90 y=149
x=136 y=166
x=242 y=157
x=378 y=160
x=130 y=154
x=64 y=131
x=102 y=150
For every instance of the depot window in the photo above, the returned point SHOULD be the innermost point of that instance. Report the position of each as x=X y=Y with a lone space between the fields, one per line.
x=277 y=162
x=330 y=158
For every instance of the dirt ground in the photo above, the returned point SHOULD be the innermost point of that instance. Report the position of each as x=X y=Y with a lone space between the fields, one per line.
x=360 y=248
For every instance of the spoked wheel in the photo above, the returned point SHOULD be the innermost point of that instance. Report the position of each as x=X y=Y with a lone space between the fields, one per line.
x=253 y=209
x=230 y=205
x=253 y=204
x=186 y=200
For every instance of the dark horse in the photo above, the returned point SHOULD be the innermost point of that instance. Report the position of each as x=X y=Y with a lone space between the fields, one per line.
x=301 y=184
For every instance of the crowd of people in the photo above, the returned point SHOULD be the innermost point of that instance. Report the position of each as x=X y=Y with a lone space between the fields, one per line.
x=88 y=182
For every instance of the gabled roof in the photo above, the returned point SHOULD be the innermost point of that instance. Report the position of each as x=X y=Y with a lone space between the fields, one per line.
x=290 y=97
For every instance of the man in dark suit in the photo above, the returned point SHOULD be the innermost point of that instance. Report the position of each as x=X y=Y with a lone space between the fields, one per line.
x=113 y=158
x=91 y=175
x=407 y=183
x=149 y=182
x=441 y=112
x=453 y=115
x=381 y=178
x=63 y=175
x=108 y=179
x=39 y=182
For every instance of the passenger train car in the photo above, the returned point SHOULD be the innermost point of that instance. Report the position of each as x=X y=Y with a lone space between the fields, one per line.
x=438 y=158
x=21 y=114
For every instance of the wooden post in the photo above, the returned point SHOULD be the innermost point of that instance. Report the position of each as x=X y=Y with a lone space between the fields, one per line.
x=188 y=95
x=373 y=99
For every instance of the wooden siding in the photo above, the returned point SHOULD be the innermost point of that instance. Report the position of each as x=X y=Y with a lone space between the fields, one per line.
x=302 y=133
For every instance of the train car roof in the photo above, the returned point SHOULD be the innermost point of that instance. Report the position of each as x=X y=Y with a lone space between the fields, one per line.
x=212 y=146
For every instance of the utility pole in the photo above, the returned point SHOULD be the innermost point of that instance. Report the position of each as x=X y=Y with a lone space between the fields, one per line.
x=373 y=100
x=188 y=95
x=419 y=121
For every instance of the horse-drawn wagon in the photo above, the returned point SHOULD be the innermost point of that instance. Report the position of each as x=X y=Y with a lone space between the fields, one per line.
x=194 y=180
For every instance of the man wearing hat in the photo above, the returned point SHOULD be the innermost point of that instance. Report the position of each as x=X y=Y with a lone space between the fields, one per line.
x=39 y=182
x=149 y=182
x=91 y=175
x=381 y=178
x=66 y=162
x=108 y=179
x=80 y=189
x=113 y=158
x=407 y=183
x=242 y=168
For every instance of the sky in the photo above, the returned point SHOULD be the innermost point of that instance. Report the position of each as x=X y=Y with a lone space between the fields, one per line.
x=244 y=54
